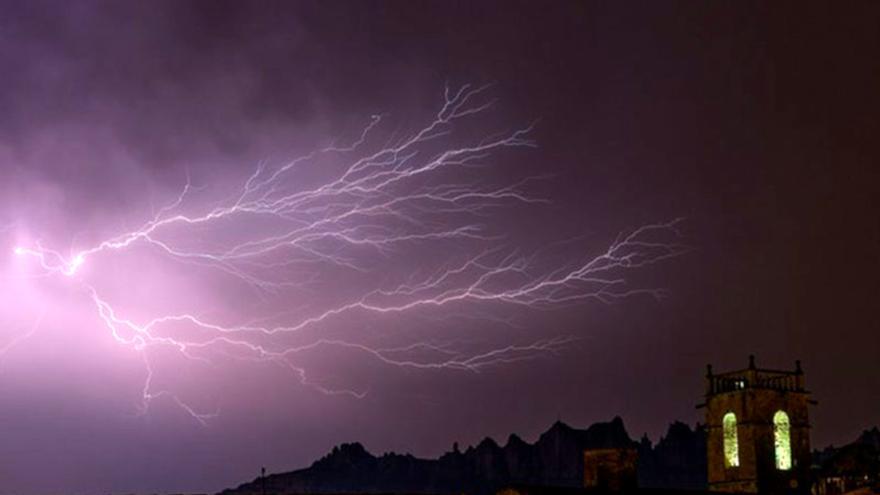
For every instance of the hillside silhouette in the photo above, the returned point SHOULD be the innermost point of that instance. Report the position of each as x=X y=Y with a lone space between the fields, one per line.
x=678 y=460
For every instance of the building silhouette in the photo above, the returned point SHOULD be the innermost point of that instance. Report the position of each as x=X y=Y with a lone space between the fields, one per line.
x=758 y=431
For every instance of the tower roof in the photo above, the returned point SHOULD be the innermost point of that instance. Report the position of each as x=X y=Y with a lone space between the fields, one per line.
x=753 y=377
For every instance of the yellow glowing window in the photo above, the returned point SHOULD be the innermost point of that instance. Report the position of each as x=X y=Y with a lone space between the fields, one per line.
x=731 y=445
x=782 y=440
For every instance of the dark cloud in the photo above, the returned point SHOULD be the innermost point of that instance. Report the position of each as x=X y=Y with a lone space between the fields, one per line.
x=756 y=122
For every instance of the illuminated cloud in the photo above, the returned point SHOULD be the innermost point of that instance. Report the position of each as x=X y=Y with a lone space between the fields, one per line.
x=413 y=195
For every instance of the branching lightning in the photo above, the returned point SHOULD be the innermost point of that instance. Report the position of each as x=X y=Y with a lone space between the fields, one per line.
x=388 y=198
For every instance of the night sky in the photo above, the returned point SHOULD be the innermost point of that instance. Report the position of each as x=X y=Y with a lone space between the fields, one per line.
x=756 y=124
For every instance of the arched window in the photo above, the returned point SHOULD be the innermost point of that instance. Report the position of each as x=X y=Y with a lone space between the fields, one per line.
x=731 y=444
x=782 y=440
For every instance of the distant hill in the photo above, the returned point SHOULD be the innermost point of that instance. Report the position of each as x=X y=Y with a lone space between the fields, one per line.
x=870 y=437
x=858 y=462
x=556 y=459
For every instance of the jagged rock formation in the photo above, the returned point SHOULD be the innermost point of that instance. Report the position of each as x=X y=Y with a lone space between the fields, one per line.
x=556 y=459
x=677 y=461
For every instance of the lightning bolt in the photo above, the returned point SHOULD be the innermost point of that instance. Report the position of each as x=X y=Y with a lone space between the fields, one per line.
x=409 y=193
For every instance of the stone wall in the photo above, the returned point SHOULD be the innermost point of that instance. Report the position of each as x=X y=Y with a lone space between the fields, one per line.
x=610 y=469
x=754 y=408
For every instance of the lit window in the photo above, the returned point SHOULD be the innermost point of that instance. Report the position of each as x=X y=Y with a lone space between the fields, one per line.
x=782 y=440
x=731 y=445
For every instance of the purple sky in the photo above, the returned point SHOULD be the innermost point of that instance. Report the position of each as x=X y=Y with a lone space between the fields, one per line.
x=298 y=306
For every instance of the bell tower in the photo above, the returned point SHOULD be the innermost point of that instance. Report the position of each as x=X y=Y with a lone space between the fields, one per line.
x=758 y=431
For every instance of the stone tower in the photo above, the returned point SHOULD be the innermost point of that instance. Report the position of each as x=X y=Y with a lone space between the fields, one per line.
x=758 y=432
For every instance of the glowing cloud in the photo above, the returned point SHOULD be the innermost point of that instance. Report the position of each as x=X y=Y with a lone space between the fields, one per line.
x=378 y=197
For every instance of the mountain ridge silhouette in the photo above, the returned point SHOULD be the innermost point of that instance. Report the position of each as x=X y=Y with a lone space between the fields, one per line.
x=555 y=459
